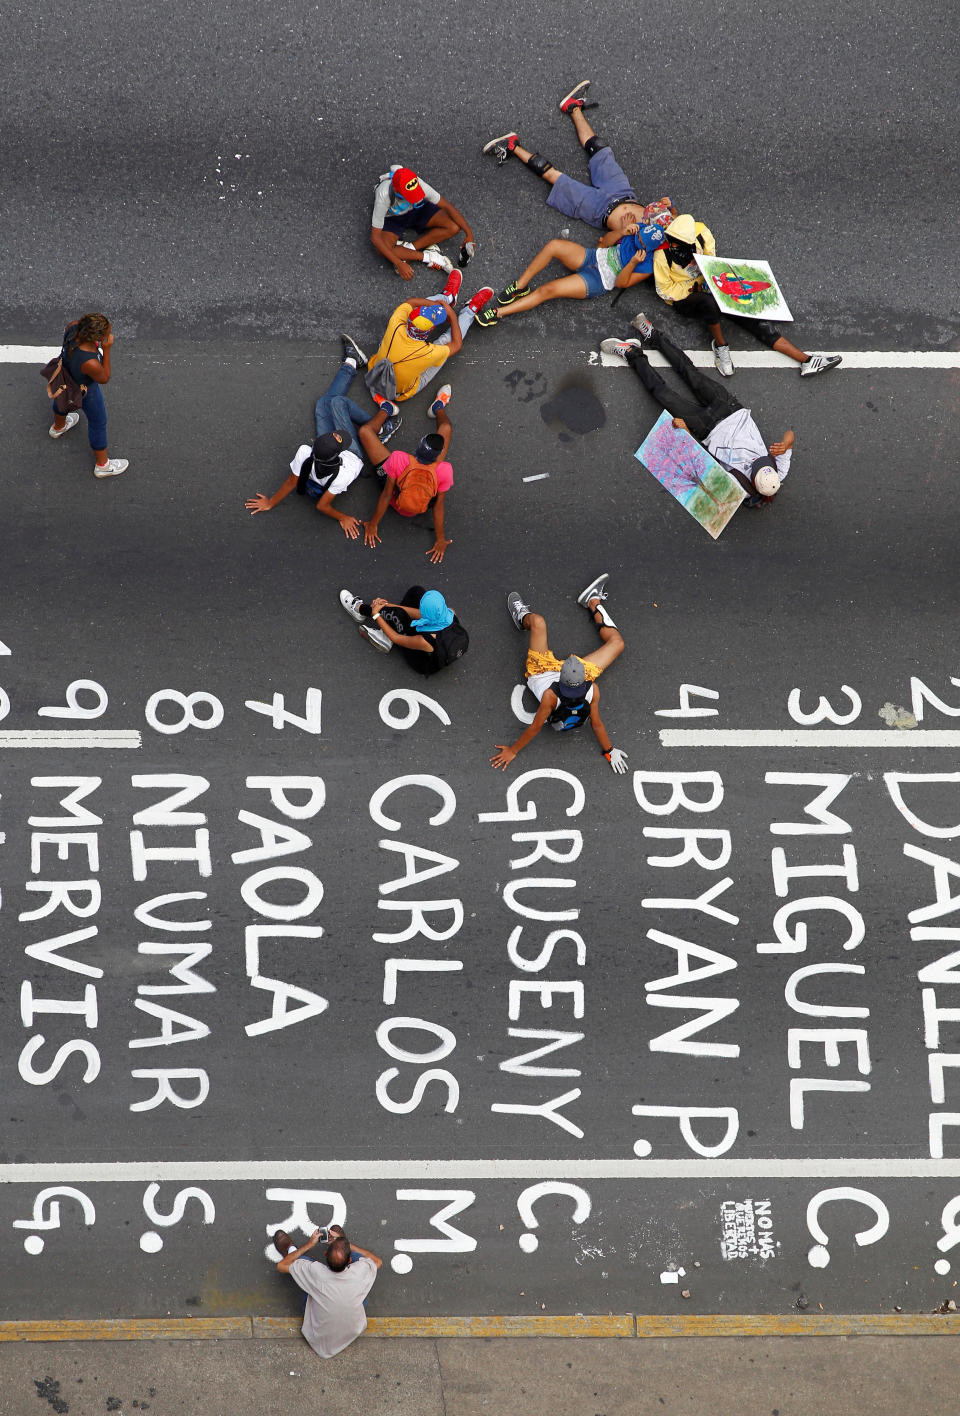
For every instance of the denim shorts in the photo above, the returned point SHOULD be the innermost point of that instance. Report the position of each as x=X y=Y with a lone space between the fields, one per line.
x=590 y=275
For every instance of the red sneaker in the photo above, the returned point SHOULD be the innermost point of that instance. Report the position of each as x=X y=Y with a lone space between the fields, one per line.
x=576 y=97
x=482 y=297
x=452 y=288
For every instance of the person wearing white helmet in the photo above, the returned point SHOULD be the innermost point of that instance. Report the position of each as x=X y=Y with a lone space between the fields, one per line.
x=709 y=412
x=566 y=689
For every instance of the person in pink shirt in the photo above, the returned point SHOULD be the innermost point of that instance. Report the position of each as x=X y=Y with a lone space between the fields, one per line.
x=412 y=482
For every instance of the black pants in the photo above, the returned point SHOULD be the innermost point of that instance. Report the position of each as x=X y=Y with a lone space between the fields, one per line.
x=698 y=305
x=706 y=403
x=399 y=620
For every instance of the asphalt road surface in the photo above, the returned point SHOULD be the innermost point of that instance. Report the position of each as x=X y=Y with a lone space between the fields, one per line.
x=812 y=1171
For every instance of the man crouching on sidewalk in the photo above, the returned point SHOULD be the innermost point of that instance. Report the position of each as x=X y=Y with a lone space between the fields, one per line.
x=336 y=1286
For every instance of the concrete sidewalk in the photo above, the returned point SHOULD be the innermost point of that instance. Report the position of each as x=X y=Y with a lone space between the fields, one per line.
x=859 y=1376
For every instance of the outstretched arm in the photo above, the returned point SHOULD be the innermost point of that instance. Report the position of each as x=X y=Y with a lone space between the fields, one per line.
x=505 y=754
x=370 y=537
x=293 y=1254
x=261 y=502
x=440 y=543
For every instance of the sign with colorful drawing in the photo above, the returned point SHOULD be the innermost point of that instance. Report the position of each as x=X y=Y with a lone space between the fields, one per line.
x=744 y=287
x=689 y=473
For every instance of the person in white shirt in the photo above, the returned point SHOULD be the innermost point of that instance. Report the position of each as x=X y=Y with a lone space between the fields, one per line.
x=334 y=461
x=710 y=413
x=336 y=1286
x=405 y=205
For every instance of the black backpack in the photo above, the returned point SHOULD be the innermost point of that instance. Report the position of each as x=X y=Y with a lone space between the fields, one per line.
x=450 y=644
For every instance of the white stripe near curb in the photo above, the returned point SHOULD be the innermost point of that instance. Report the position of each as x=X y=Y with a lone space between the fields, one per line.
x=703 y=358
x=772 y=1168
x=905 y=739
x=853 y=359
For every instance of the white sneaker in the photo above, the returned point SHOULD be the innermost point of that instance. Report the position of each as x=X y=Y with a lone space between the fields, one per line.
x=436 y=260
x=111 y=468
x=819 y=364
x=595 y=590
x=352 y=603
x=443 y=397
x=620 y=347
x=377 y=638
x=72 y=420
x=722 y=358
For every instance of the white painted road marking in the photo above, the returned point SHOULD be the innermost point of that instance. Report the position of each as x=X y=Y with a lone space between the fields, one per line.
x=79 y=737
x=147 y=1172
x=703 y=358
x=853 y=359
x=809 y=737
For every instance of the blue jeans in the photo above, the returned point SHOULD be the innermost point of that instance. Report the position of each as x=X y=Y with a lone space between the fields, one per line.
x=335 y=412
x=608 y=184
x=96 y=411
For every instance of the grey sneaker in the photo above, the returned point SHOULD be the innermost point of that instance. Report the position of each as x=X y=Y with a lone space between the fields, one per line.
x=643 y=326
x=819 y=364
x=352 y=603
x=111 y=468
x=438 y=405
x=722 y=359
x=594 y=590
x=377 y=638
x=352 y=350
x=501 y=147
x=391 y=427
x=576 y=97
x=621 y=347
x=517 y=609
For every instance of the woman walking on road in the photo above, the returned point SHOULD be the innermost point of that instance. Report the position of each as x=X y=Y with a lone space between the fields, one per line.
x=86 y=358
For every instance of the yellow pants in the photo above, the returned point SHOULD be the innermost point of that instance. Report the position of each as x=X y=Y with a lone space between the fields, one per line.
x=542 y=661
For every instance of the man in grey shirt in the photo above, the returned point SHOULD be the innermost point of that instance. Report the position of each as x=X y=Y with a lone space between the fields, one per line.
x=335 y=1285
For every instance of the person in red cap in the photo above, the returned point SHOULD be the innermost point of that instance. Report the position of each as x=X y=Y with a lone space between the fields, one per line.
x=404 y=204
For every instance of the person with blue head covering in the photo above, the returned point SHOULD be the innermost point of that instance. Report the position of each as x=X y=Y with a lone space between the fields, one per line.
x=622 y=259
x=422 y=626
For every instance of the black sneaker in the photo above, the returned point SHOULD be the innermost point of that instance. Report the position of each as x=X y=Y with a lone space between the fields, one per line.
x=352 y=350
x=487 y=317
x=512 y=292
x=391 y=426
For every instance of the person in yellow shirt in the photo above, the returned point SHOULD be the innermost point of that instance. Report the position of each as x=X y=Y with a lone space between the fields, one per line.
x=680 y=284
x=410 y=353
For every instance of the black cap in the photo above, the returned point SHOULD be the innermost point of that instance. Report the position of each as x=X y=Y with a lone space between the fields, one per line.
x=328 y=447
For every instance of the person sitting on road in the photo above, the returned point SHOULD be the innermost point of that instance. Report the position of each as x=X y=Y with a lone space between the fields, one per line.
x=412 y=482
x=419 y=339
x=333 y=462
x=336 y=1286
x=614 y=264
x=423 y=627
x=404 y=203
x=567 y=690
x=710 y=413
x=608 y=201
x=680 y=284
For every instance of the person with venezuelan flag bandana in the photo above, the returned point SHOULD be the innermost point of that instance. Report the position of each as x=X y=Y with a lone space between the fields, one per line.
x=418 y=341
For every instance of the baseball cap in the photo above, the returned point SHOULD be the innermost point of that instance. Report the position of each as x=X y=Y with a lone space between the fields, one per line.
x=423 y=318
x=406 y=184
x=429 y=448
x=572 y=682
x=328 y=447
x=765 y=477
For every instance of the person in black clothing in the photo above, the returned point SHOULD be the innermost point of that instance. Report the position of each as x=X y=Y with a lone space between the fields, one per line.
x=422 y=626
x=87 y=343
